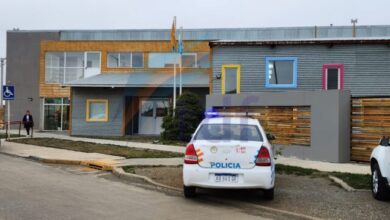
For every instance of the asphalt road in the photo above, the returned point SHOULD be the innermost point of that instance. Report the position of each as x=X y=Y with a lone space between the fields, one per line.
x=30 y=190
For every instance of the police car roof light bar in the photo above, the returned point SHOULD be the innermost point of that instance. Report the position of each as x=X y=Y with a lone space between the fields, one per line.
x=231 y=114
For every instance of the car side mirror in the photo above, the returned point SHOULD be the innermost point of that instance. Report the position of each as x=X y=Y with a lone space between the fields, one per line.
x=384 y=141
x=270 y=137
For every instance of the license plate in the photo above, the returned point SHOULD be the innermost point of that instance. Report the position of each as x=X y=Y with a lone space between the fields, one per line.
x=225 y=178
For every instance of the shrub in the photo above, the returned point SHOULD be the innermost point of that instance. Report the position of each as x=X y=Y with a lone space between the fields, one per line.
x=188 y=114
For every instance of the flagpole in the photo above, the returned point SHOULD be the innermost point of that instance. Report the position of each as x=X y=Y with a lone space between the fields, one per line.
x=174 y=88
x=180 y=62
x=174 y=72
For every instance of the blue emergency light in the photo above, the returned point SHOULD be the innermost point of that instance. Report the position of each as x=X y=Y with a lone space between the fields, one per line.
x=212 y=114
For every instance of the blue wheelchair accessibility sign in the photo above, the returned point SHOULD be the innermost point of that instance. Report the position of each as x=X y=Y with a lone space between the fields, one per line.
x=8 y=92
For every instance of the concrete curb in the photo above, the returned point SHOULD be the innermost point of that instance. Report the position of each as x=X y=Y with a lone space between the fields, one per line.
x=341 y=183
x=120 y=173
x=96 y=164
x=55 y=161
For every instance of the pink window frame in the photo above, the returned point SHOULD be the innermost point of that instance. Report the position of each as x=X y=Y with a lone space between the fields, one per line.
x=341 y=74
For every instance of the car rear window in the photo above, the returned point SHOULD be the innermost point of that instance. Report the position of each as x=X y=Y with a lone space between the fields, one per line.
x=237 y=132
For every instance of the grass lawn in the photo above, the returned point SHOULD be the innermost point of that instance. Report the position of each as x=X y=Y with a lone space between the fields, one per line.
x=89 y=147
x=139 y=138
x=357 y=181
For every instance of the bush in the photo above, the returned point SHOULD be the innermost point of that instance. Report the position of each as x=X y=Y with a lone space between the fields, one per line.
x=188 y=114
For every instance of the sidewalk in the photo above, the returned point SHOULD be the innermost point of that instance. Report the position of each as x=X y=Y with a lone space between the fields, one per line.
x=51 y=153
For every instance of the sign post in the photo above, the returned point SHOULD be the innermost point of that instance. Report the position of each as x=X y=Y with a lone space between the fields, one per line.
x=8 y=95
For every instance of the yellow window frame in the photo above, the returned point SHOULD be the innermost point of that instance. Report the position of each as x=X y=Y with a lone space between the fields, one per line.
x=238 y=74
x=87 y=116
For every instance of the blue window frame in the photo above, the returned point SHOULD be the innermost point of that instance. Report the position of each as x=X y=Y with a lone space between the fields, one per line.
x=281 y=72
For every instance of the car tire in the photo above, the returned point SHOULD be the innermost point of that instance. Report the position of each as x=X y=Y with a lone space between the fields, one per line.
x=269 y=194
x=189 y=191
x=379 y=187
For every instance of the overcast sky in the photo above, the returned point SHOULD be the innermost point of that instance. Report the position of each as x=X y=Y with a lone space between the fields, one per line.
x=137 y=14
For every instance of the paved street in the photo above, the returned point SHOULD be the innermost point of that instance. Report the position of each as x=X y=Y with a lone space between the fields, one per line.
x=30 y=190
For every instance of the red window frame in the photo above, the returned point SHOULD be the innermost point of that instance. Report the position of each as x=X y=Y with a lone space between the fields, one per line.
x=341 y=75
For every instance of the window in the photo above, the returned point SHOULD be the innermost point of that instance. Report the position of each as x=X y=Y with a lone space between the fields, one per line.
x=226 y=132
x=125 y=60
x=281 y=72
x=54 y=67
x=163 y=60
x=92 y=59
x=189 y=60
x=230 y=79
x=137 y=60
x=113 y=59
x=64 y=67
x=333 y=76
x=97 y=110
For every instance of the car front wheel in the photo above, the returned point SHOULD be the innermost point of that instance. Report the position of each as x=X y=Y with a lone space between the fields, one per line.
x=379 y=187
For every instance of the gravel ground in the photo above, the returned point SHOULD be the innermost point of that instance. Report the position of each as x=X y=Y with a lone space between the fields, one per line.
x=317 y=197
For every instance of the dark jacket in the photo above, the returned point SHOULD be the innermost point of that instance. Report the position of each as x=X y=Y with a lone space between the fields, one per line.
x=29 y=123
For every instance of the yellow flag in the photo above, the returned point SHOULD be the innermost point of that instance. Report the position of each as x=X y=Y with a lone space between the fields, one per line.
x=173 y=35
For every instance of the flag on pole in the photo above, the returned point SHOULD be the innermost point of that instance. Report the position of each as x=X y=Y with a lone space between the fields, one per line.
x=173 y=35
x=180 y=48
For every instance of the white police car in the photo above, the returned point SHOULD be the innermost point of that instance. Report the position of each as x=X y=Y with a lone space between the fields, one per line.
x=231 y=152
x=380 y=167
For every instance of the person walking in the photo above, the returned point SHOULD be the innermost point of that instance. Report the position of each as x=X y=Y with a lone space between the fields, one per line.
x=28 y=121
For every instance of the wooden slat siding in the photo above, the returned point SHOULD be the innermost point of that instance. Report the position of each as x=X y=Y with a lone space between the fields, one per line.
x=370 y=121
x=290 y=125
x=55 y=90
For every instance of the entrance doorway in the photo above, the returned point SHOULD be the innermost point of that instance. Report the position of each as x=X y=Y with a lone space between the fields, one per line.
x=56 y=114
x=151 y=115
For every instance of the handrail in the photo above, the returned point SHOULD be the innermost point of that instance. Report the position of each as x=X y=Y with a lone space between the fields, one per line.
x=6 y=123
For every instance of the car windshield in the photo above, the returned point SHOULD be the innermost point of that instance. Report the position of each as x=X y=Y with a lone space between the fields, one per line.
x=237 y=132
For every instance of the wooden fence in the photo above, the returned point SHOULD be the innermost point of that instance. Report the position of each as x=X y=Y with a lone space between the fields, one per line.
x=290 y=125
x=370 y=121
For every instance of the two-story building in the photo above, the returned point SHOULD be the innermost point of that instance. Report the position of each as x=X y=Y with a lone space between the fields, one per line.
x=303 y=80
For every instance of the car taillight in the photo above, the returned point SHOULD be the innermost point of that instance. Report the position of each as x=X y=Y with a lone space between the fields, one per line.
x=190 y=156
x=263 y=158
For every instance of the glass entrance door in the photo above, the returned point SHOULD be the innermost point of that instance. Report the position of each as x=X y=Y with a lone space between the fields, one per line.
x=56 y=114
x=151 y=115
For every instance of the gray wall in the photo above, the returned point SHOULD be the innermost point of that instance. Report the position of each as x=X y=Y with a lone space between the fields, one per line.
x=366 y=67
x=330 y=119
x=23 y=50
x=115 y=115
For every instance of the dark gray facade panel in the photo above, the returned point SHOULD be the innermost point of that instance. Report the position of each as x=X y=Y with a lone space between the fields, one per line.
x=330 y=119
x=366 y=67
x=231 y=33
x=115 y=115
x=23 y=49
